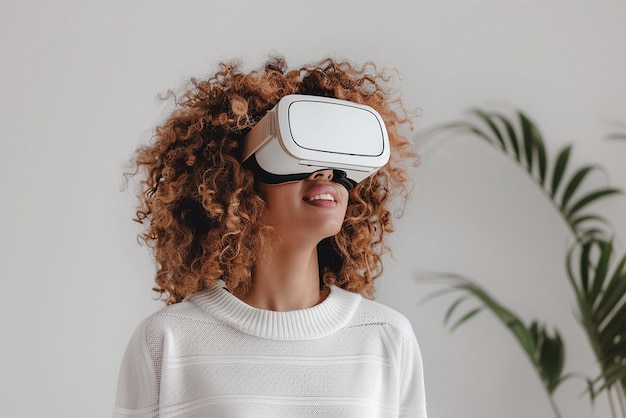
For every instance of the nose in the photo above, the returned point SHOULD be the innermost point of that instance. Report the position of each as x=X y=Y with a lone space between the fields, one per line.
x=322 y=175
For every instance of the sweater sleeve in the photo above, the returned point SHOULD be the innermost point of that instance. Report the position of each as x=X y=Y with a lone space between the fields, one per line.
x=138 y=385
x=412 y=392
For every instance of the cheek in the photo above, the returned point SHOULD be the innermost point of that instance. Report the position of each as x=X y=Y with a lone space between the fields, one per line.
x=280 y=198
x=345 y=200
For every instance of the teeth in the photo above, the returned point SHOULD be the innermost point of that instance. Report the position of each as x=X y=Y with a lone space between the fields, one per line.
x=324 y=196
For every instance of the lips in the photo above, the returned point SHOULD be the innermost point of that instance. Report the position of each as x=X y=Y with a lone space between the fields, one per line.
x=321 y=195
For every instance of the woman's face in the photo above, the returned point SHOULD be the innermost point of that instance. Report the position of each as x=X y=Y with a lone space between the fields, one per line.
x=307 y=211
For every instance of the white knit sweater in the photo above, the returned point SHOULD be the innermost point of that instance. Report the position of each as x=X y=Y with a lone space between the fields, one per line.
x=215 y=356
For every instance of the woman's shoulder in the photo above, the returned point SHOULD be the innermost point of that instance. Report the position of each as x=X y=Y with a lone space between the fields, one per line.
x=373 y=312
x=169 y=316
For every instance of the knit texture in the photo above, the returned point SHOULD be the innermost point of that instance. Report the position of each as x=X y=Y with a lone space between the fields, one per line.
x=215 y=356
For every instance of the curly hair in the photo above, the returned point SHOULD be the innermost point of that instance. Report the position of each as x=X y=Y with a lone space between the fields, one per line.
x=204 y=217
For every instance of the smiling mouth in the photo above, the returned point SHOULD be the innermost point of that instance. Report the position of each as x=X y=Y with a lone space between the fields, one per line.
x=323 y=196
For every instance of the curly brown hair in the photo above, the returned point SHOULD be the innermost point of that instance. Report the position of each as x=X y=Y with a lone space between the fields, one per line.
x=204 y=215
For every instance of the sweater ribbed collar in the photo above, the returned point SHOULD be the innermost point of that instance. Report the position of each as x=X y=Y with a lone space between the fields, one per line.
x=318 y=321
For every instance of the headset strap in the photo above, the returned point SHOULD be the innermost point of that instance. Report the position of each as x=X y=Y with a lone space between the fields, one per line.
x=339 y=176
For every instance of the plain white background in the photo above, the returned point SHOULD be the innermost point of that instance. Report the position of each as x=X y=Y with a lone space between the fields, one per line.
x=79 y=81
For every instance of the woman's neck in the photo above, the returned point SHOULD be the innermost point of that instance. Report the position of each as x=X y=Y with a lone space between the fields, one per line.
x=286 y=278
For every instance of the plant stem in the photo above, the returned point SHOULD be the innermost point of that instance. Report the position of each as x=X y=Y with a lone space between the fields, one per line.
x=555 y=408
x=621 y=397
x=608 y=395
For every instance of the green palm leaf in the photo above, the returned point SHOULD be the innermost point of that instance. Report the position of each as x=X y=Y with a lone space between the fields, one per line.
x=559 y=169
x=585 y=218
x=511 y=134
x=546 y=352
x=590 y=198
x=519 y=138
x=601 y=302
x=488 y=120
x=534 y=147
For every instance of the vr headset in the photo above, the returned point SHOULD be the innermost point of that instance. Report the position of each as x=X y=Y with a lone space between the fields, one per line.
x=304 y=134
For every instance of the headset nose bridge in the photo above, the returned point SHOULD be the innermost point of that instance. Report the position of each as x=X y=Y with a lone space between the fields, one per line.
x=326 y=174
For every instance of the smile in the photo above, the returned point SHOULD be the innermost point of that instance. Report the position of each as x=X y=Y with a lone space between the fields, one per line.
x=323 y=196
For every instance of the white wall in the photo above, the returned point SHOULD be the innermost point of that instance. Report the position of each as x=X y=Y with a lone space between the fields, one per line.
x=79 y=81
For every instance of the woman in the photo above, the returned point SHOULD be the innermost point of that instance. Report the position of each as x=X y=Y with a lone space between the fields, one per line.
x=268 y=286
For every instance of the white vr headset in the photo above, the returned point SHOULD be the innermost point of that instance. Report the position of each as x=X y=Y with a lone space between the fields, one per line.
x=304 y=134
